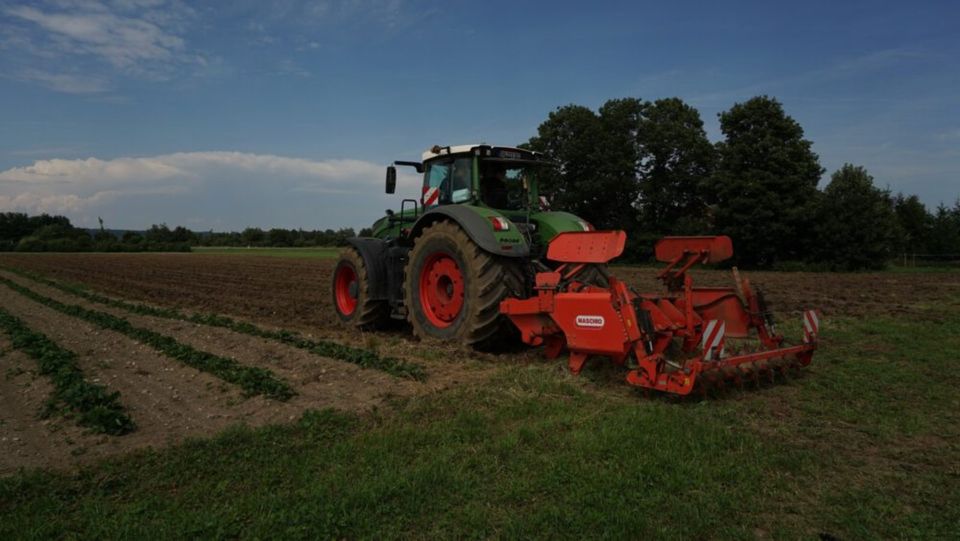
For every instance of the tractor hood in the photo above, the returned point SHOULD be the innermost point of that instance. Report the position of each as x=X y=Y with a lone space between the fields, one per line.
x=551 y=223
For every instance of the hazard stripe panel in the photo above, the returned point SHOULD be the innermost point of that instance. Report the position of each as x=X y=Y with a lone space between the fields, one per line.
x=712 y=341
x=811 y=326
x=431 y=196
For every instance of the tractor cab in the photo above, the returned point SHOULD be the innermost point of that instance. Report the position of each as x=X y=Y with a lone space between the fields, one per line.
x=500 y=178
x=491 y=192
x=494 y=177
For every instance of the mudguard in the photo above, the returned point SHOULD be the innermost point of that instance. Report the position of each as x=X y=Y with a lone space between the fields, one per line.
x=475 y=222
x=374 y=254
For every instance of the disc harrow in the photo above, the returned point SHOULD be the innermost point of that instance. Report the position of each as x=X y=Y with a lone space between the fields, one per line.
x=675 y=341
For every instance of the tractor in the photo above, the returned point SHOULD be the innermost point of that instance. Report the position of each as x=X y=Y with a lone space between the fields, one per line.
x=480 y=259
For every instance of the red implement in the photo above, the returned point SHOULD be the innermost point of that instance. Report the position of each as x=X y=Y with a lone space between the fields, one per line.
x=687 y=324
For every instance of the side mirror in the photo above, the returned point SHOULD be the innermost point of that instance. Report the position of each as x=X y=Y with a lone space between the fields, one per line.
x=391 y=179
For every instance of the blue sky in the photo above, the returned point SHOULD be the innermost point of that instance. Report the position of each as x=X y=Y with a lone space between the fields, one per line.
x=283 y=114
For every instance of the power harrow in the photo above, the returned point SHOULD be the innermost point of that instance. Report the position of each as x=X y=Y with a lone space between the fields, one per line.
x=673 y=342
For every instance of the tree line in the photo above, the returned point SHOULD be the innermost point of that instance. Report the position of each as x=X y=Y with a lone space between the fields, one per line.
x=279 y=237
x=648 y=168
x=46 y=233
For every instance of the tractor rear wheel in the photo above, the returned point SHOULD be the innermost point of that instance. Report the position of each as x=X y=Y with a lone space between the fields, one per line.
x=351 y=293
x=453 y=288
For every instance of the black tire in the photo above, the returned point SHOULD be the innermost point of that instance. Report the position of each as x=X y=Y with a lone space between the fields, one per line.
x=595 y=275
x=366 y=313
x=486 y=280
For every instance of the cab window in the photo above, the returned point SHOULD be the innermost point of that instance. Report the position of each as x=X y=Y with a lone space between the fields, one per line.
x=503 y=185
x=452 y=180
x=462 y=174
x=436 y=184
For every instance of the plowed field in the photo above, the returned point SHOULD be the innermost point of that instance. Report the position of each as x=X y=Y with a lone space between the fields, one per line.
x=294 y=293
x=172 y=401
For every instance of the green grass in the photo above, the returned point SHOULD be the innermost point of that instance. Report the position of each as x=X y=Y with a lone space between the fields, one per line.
x=253 y=380
x=863 y=447
x=924 y=269
x=321 y=252
x=92 y=404
x=325 y=348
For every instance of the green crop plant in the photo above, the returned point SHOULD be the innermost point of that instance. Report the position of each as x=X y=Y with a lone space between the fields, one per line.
x=94 y=406
x=361 y=357
x=253 y=380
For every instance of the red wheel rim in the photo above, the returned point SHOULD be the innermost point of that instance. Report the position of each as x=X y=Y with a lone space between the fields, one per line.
x=441 y=290
x=345 y=289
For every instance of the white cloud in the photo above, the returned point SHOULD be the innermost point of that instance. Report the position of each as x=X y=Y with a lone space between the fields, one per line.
x=142 y=38
x=185 y=165
x=289 y=67
x=65 y=82
x=949 y=135
x=91 y=170
x=79 y=186
x=122 y=41
x=54 y=204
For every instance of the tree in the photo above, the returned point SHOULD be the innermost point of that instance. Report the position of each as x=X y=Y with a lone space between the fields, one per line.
x=945 y=232
x=675 y=158
x=131 y=237
x=36 y=222
x=182 y=234
x=252 y=236
x=916 y=224
x=764 y=192
x=280 y=237
x=102 y=236
x=595 y=178
x=856 y=227
x=158 y=233
x=13 y=227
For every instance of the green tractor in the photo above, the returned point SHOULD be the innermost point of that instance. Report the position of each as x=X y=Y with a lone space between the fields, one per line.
x=444 y=262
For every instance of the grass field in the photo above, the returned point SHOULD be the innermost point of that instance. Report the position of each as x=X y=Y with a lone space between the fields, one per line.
x=322 y=252
x=863 y=446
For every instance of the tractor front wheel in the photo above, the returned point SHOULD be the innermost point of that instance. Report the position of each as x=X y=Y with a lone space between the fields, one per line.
x=453 y=288
x=351 y=288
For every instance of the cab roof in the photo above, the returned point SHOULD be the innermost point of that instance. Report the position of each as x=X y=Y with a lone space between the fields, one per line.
x=482 y=149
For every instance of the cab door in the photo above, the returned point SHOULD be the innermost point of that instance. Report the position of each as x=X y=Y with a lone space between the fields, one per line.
x=447 y=181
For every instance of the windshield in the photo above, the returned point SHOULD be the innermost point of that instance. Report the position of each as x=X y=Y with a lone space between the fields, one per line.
x=505 y=185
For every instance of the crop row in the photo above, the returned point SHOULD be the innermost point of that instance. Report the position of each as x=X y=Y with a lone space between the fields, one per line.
x=361 y=357
x=253 y=380
x=94 y=406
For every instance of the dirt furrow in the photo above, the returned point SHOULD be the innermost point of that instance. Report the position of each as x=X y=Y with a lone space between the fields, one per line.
x=320 y=382
x=166 y=399
x=26 y=439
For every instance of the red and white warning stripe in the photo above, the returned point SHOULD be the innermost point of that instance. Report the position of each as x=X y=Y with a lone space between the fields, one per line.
x=713 y=339
x=430 y=196
x=811 y=326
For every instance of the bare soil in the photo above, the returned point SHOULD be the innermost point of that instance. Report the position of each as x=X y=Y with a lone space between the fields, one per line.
x=170 y=401
x=294 y=293
x=319 y=381
x=834 y=293
x=27 y=439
